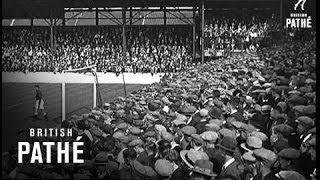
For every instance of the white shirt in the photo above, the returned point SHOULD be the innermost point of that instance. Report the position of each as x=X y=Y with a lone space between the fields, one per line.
x=227 y=163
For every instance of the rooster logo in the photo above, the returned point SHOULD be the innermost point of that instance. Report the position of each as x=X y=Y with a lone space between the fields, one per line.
x=298 y=3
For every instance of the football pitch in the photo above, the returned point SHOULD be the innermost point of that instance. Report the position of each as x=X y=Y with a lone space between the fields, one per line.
x=18 y=101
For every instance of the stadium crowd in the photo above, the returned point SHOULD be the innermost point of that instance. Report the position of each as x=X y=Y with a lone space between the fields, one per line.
x=234 y=30
x=241 y=117
x=149 y=49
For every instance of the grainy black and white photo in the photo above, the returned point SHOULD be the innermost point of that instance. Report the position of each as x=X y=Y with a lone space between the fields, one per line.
x=159 y=89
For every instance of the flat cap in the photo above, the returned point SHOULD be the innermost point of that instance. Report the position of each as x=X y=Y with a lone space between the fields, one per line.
x=260 y=135
x=209 y=136
x=290 y=175
x=297 y=100
x=305 y=121
x=281 y=144
x=204 y=112
x=164 y=167
x=188 y=109
x=179 y=122
x=149 y=134
x=289 y=153
x=283 y=129
x=135 y=142
x=188 y=130
x=166 y=136
x=118 y=134
x=122 y=126
x=212 y=127
x=227 y=132
x=248 y=156
x=134 y=130
x=160 y=127
x=265 y=154
x=101 y=158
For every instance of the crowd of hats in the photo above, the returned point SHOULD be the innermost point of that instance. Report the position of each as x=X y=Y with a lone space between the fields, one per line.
x=149 y=48
x=236 y=117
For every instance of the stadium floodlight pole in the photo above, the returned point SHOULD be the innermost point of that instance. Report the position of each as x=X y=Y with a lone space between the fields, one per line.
x=202 y=31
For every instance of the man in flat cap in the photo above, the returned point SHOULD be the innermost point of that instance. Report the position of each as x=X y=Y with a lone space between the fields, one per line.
x=305 y=123
x=288 y=159
x=231 y=166
x=308 y=154
x=133 y=169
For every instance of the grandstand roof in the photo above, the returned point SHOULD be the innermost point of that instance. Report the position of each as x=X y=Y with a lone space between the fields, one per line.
x=41 y=8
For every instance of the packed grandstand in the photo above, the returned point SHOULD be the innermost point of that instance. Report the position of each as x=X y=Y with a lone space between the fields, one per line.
x=242 y=116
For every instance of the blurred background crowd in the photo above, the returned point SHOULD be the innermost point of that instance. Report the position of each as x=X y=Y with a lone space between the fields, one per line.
x=149 y=49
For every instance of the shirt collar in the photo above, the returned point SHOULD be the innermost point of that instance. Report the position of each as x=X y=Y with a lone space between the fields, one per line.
x=233 y=111
x=197 y=148
x=227 y=163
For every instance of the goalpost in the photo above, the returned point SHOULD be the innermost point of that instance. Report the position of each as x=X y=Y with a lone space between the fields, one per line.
x=97 y=100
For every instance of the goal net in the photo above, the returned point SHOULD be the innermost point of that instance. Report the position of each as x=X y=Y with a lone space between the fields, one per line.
x=90 y=71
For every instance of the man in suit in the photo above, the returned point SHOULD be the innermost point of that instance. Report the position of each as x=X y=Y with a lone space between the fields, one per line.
x=231 y=166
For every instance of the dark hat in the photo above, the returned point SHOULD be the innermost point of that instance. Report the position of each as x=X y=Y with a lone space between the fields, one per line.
x=283 y=129
x=101 y=158
x=297 y=100
x=149 y=134
x=228 y=143
x=309 y=110
x=204 y=167
x=145 y=170
x=305 y=121
x=197 y=138
x=281 y=144
x=299 y=108
x=153 y=106
x=289 y=153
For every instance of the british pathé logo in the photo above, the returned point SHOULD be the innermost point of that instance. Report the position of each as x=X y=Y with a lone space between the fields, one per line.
x=301 y=3
x=297 y=19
